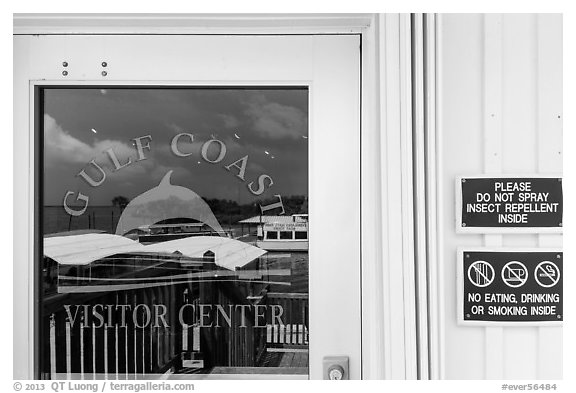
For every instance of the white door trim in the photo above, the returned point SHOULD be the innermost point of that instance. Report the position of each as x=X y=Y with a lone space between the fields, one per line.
x=389 y=340
x=191 y=23
x=388 y=311
x=427 y=234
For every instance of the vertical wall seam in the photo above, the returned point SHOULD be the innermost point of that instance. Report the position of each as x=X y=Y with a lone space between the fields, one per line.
x=441 y=368
x=430 y=192
x=548 y=38
x=492 y=120
x=382 y=108
x=421 y=171
x=361 y=302
x=383 y=38
x=415 y=180
x=537 y=153
x=407 y=204
x=403 y=87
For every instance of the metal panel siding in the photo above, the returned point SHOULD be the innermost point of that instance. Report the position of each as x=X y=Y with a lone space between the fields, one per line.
x=501 y=103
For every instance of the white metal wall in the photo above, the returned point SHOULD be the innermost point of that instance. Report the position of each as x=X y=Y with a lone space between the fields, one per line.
x=499 y=111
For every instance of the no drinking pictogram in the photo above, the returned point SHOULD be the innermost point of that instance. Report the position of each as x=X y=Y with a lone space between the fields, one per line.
x=514 y=274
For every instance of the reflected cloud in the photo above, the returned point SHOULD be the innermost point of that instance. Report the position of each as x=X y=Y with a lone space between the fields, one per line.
x=274 y=120
x=61 y=147
x=228 y=120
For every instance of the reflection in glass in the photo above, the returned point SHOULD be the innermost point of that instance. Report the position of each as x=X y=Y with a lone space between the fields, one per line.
x=175 y=232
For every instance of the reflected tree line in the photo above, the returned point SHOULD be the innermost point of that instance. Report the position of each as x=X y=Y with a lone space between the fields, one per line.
x=105 y=218
x=230 y=212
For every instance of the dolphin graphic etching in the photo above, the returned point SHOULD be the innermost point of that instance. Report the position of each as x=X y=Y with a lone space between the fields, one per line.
x=163 y=202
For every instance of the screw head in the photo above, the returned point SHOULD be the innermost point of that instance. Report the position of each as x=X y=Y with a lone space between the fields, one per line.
x=65 y=73
x=463 y=224
x=104 y=73
x=463 y=180
x=64 y=64
x=104 y=64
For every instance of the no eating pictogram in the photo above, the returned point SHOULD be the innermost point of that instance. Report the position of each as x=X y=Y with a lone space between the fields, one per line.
x=547 y=274
x=481 y=274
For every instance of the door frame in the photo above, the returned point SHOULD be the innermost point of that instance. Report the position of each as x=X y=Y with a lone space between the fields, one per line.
x=390 y=347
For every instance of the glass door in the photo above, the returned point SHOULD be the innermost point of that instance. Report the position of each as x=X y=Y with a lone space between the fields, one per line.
x=197 y=206
x=175 y=231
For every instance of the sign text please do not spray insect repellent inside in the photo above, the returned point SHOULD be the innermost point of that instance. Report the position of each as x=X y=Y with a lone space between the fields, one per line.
x=511 y=202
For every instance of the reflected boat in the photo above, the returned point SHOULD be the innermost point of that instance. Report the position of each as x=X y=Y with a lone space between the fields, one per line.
x=283 y=233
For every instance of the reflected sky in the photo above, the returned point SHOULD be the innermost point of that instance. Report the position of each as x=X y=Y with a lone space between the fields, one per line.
x=270 y=126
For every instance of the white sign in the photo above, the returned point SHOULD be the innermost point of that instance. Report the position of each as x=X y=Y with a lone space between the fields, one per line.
x=286 y=226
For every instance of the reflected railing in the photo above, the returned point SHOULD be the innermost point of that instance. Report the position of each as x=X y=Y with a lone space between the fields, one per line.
x=78 y=345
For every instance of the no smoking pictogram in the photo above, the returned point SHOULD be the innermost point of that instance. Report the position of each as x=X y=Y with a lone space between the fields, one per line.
x=547 y=274
x=514 y=274
x=481 y=274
